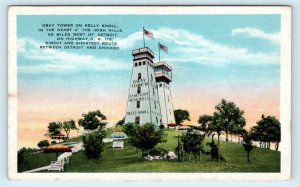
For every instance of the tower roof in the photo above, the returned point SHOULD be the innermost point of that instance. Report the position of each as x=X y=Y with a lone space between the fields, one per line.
x=163 y=64
x=144 y=50
x=163 y=72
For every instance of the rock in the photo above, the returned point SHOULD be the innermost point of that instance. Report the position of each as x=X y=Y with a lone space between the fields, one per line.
x=149 y=157
x=165 y=156
x=157 y=157
x=170 y=156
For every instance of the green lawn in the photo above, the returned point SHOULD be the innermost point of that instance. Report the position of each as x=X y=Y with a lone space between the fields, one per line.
x=130 y=160
x=36 y=159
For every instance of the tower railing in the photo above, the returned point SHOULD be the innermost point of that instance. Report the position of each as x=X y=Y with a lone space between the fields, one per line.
x=142 y=50
x=159 y=74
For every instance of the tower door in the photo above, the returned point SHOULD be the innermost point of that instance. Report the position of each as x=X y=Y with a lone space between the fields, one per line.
x=137 y=120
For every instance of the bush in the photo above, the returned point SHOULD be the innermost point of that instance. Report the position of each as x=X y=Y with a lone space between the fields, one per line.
x=192 y=143
x=93 y=144
x=157 y=151
x=144 y=137
x=21 y=155
x=53 y=142
x=120 y=122
x=43 y=143
x=129 y=129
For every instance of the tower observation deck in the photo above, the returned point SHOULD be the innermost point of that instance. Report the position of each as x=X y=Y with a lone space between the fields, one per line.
x=163 y=76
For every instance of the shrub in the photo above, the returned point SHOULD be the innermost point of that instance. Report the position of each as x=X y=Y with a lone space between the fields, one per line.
x=93 y=144
x=129 y=129
x=21 y=155
x=144 y=137
x=53 y=142
x=157 y=151
x=192 y=143
x=43 y=143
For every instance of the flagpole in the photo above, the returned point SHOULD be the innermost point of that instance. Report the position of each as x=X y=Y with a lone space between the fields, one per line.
x=158 y=52
x=144 y=36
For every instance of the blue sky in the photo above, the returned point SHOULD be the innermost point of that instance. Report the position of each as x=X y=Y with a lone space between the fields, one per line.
x=210 y=48
x=236 y=57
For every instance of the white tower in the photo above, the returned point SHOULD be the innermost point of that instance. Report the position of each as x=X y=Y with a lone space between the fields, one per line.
x=163 y=76
x=143 y=103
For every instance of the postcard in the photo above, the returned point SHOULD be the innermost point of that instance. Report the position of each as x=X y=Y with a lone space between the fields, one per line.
x=153 y=93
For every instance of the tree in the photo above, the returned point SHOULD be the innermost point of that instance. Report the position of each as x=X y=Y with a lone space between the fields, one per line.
x=93 y=144
x=144 y=137
x=21 y=156
x=229 y=116
x=54 y=128
x=67 y=126
x=205 y=122
x=43 y=143
x=267 y=130
x=192 y=143
x=237 y=128
x=129 y=129
x=214 y=150
x=247 y=138
x=216 y=126
x=181 y=115
x=92 y=120
x=120 y=122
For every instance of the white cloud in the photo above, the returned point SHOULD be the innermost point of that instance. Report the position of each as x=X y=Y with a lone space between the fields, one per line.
x=256 y=33
x=186 y=46
x=50 y=60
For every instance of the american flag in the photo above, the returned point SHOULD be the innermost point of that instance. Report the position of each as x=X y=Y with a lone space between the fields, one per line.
x=163 y=47
x=148 y=33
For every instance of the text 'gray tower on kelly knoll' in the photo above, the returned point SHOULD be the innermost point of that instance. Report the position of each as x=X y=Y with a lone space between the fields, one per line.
x=143 y=104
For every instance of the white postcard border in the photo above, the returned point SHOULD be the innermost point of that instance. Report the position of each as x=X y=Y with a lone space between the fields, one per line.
x=285 y=91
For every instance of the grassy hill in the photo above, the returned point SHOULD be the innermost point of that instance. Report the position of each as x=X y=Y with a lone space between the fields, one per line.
x=130 y=160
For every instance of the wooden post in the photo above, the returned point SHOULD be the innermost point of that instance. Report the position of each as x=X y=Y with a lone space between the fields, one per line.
x=178 y=150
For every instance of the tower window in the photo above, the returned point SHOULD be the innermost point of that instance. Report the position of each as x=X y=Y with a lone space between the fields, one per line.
x=160 y=85
x=151 y=77
x=138 y=89
x=153 y=91
x=135 y=64
x=144 y=62
x=138 y=104
x=137 y=120
x=154 y=104
x=139 y=76
x=156 y=120
x=140 y=63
